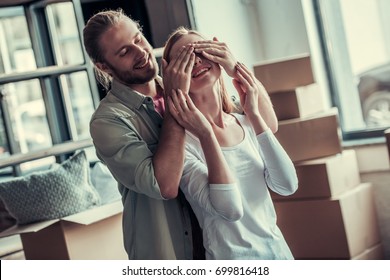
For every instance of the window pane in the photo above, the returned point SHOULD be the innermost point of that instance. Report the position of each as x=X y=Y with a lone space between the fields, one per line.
x=16 y=53
x=28 y=115
x=78 y=97
x=367 y=28
x=357 y=34
x=65 y=35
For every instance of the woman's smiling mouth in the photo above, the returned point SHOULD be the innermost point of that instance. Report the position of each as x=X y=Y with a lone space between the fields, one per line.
x=200 y=71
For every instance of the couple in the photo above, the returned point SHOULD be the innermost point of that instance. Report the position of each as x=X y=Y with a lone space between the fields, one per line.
x=176 y=141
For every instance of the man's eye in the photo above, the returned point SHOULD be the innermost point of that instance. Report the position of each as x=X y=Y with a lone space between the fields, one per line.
x=138 y=40
x=123 y=52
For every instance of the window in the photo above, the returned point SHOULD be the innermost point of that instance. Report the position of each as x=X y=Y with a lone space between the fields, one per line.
x=356 y=43
x=65 y=34
x=48 y=90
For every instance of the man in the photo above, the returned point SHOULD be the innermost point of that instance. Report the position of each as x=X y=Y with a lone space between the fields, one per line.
x=143 y=150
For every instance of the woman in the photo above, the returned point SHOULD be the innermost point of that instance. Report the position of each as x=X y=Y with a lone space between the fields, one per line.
x=231 y=159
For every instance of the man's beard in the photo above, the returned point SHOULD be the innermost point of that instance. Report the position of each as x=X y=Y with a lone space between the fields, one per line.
x=132 y=77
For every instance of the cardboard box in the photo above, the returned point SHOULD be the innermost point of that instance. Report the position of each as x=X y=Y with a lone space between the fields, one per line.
x=10 y=245
x=285 y=74
x=337 y=228
x=95 y=234
x=299 y=102
x=310 y=138
x=373 y=253
x=325 y=177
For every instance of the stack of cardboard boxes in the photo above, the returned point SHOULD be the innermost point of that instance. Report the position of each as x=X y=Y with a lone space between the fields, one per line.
x=333 y=214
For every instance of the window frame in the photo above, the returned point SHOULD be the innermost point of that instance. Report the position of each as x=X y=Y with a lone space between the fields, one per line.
x=48 y=74
x=353 y=137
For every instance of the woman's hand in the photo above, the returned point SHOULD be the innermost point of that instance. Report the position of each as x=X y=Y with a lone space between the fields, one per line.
x=187 y=115
x=177 y=74
x=249 y=89
x=217 y=52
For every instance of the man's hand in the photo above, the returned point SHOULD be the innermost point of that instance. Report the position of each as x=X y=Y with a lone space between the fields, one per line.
x=217 y=52
x=177 y=73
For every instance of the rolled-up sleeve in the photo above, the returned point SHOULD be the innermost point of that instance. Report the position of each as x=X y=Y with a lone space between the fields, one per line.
x=126 y=155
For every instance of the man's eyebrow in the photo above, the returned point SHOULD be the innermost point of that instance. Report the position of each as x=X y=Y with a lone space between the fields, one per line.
x=122 y=47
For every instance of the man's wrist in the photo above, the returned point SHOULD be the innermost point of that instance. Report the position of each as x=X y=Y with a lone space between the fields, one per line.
x=170 y=122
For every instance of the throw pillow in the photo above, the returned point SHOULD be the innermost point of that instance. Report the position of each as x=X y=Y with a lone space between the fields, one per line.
x=61 y=191
x=104 y=183
x=6 y=220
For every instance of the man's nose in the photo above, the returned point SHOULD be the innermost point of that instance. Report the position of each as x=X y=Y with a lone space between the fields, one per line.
x=138 y=50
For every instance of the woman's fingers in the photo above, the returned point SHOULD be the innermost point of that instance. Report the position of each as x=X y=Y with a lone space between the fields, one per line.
x=179 y=101
x=171 y=106
x=176 y=101
x=243 y=78
x=240 y=91
x=237 y=84
x=189 y=103
x=245 y=73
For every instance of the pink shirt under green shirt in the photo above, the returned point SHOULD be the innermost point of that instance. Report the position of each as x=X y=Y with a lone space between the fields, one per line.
x=159 y=104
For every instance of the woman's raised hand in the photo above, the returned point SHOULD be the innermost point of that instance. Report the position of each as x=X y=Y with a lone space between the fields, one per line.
x=187 y=115
x=250 y=89
x=217 y=52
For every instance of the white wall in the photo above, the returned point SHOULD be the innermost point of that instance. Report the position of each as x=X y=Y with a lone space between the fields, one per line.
x=228 y=21
x=255 y=30
x=282 y=28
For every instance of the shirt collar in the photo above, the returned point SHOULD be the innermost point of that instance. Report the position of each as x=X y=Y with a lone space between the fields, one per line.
x=129 y=96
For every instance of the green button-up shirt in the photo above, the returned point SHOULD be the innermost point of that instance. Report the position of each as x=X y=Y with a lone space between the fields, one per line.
x=125 y=130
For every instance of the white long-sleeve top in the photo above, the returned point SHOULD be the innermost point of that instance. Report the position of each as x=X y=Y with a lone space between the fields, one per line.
x=239 y=220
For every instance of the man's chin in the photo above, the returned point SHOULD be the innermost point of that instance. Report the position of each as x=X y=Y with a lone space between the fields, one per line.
x=141 y=79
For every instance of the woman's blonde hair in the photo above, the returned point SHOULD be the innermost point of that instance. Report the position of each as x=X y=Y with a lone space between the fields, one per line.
x=227 y=103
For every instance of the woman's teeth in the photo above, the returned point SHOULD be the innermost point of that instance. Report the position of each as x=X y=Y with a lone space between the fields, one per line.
x=200 y=72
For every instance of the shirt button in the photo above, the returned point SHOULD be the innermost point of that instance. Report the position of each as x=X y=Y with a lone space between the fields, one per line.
x=186 y=232
x=148 y=99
